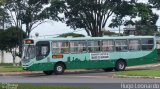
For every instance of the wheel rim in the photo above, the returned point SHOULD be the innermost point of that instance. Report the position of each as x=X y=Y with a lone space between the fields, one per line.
x=121 y=65
x=59 y=68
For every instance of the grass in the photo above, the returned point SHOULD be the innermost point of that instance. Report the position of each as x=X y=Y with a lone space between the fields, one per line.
x=29 y=86
x=10 y=68
x=152 y=73
x=6 y=64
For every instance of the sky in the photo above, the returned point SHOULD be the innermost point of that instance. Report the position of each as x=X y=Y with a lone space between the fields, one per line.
x=52 y=28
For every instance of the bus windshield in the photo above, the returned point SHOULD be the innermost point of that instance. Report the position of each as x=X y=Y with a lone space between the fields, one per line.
x=28 y=52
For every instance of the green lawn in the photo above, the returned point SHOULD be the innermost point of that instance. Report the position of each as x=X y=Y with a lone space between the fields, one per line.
x=29 y=86
x=10 y=68
x=151 y=73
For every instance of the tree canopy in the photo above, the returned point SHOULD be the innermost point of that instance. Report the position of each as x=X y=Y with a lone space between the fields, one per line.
x=92 y=15
x=71 y=34
x=9 y=41
x=28 y=12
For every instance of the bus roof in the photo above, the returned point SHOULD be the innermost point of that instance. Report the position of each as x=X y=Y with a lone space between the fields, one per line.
x=89 y=38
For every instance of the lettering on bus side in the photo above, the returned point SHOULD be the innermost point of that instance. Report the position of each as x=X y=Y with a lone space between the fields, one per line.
x=99 y=56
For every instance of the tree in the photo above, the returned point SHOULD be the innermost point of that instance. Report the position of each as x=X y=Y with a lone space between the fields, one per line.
x=155 y=3
x=4 y=20
x=108 y=33
x=91 y=15
x=2 y=45
x=28 y=12
x=147 y=27
x=4 y=16
x=126 y=9
x=147 y=24
x=10 y=41
x=2 y=2
x=71 y=34
x=1 y=40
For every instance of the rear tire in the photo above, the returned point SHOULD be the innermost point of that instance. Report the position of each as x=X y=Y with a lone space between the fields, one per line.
x=48 y=72
x=120 y=65
x=59 y=69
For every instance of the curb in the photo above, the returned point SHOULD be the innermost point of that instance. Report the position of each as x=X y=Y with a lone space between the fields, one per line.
x=17 y=73
x=142 y=77
x=144 y=66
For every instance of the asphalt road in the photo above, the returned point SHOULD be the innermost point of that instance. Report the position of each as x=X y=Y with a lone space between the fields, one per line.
x=94 y=79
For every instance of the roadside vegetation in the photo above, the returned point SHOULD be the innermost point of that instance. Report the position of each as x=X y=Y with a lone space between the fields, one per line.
x=145 y=73
x=29 y=86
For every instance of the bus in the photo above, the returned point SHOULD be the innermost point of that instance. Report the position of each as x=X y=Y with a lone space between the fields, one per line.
x=55 y=55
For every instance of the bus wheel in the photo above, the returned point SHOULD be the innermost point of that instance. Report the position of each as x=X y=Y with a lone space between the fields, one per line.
x=59 y=69
x=120 y=65
x=48 y=72
x=108 y=69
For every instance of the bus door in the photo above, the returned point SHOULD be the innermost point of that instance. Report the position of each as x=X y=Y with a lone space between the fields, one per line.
x=42 y=50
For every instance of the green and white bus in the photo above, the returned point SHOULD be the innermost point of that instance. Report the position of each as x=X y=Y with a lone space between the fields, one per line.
x=54 y=55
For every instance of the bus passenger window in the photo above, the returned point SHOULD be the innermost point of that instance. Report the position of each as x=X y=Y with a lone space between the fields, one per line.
x=78 y=46
x=134 y=44
x=107 y=45
x=147 y=44
x=65 y=47
x=60 y=47
x=121 y=45
x=93 y=46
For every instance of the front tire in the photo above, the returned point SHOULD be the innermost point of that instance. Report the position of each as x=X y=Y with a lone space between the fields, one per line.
x=59 y=69
x=120 y=65
x=48 y=72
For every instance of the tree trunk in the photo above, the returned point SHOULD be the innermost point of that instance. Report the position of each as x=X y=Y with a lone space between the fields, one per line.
x=20 y=43
x=27 y=30
x=100 y=33
x=13 y=52
x=2 y=56
x=14 y=61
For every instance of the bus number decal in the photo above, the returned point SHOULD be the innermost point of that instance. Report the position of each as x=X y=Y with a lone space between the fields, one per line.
x=99 y=56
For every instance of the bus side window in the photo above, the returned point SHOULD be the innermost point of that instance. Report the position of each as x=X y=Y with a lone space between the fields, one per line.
x=118 y=48
x=65 y=47
x=147 y=44
x=78 y=46
x=134 y=44
x=107 y=45
x=121 y=45
x=93 y=46
x=60 y=47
